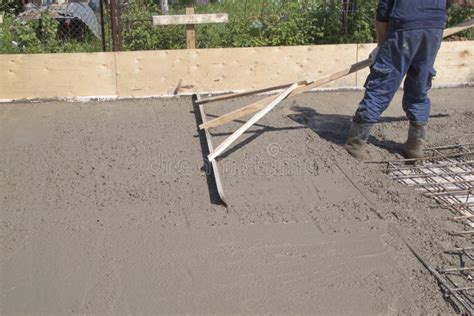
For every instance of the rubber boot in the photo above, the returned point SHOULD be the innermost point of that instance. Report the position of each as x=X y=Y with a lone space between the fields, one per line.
x=415 y=144
x=356 y=143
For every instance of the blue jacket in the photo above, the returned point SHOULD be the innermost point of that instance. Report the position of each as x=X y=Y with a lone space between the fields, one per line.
x=413 y=14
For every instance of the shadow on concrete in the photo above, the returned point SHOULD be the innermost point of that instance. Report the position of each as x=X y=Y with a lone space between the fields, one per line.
x=334 y=127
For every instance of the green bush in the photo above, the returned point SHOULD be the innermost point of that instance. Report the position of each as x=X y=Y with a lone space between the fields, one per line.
x=138 y=32
x=288 y=23
x=6 y=35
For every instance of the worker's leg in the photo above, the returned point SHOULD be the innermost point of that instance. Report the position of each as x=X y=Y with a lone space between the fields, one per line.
x=381 y=86
x=416 y=102
x=385 y=77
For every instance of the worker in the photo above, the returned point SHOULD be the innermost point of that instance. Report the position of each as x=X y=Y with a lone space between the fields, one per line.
x=409 y=34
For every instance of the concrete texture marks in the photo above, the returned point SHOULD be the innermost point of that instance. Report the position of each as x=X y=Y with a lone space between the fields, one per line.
x=106 y=209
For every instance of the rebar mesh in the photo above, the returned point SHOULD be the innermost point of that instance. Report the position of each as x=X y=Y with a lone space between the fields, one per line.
x=447 y=176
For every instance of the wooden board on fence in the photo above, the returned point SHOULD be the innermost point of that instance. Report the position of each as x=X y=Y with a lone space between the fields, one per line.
x=158 y=73
x=455 y=61
x=190 y=19
x=57 y=75
x=153 y=73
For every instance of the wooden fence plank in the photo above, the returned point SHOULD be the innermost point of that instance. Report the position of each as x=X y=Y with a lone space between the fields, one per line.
x=157 y=73
x=57 y=76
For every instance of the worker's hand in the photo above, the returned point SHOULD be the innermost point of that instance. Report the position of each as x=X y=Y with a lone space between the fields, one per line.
x=373 y=55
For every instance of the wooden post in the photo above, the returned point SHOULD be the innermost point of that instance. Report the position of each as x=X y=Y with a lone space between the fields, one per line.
x=115 y=25
x=190 y=31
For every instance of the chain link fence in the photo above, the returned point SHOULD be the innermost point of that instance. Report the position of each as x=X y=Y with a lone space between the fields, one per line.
x=47 y=26
x=37 y=26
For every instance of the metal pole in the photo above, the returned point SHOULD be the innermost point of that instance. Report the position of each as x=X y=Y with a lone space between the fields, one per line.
x=460 y=182
x=393 y=168
x=433 y=175
x=422 y=159
x=102 y=25
x=164 y=7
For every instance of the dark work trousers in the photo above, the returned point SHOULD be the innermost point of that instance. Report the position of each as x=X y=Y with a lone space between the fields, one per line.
x=411 y=53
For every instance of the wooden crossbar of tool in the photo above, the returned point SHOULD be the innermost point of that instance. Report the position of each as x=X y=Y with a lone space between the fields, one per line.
x=257 y=106
x=232 y=138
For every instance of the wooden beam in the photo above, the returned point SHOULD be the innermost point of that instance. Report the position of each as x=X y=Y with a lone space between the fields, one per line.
x=232 y=138
x=1 y=18
x=190 y=19
x=246 y=93
x=254 y=107
x=190 y=31
x=243 y=111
